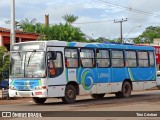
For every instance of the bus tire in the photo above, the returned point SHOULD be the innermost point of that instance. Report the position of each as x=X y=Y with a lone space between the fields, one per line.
x=97 y=96
x=39 y=100
x=118 y=94
x=70 y=94
x=126 y=90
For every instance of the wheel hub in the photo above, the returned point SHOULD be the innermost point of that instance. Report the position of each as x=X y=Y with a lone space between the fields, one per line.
x=70 y=94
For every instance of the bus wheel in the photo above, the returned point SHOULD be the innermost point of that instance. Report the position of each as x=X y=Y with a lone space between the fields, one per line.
x=39 y=100
x=126 y=90
x=118 y=94
x=98 y=96
x=70 y=94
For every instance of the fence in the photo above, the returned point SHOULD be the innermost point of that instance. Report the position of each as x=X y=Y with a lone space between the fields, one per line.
x=4 y=94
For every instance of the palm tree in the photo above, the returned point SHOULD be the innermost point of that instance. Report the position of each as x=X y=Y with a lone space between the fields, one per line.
x=70 y=18
x=27 y=26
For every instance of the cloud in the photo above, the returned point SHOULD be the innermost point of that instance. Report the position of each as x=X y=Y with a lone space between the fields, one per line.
x=93 y=5
x=88 y=11
x=99 y=29
x=55 y=11
x=145 y=10
x=3 y=23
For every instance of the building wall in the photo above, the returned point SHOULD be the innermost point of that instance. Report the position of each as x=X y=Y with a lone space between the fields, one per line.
x=19 y=37
x=1 y=40
x=156 y=41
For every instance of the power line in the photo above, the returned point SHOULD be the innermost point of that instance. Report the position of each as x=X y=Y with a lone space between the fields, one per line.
x=92 y=22
x=112 y=4
x=128 y=8
x=132 y=21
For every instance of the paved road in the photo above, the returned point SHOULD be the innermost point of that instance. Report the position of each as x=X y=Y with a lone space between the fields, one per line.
x=139 y=101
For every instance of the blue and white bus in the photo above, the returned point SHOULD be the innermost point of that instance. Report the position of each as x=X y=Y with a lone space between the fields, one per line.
x=59 y=69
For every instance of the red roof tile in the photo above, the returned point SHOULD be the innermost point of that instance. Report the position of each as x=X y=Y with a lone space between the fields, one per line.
x=17 y=31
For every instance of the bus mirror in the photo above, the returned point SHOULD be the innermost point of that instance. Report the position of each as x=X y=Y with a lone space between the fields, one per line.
x=52 y=55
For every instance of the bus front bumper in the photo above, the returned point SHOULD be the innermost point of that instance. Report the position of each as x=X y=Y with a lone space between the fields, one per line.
x=36 y=93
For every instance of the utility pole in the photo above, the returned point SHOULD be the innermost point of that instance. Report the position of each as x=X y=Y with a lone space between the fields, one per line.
x=121 y=21
x=12 y=34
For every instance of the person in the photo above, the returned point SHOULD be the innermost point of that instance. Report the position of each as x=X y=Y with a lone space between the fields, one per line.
x=51 y=68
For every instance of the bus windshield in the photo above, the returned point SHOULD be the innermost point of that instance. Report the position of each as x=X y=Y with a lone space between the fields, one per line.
x=27 y=64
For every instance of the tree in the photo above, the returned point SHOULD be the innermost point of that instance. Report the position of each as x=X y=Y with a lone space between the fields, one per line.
x=4 y=62
x=28 y=26
x=70 y=18
x=64 y=32
x=148 y=35
x=103 y=39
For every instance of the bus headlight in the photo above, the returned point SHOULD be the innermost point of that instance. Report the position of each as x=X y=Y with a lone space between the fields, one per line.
x=12 y=88
x=34 y=75
x=40 y=87
x=37 y=75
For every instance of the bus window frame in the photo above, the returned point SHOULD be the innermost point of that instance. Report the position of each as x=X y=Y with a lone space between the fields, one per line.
x=143 y=59
x=152 y=66
x=78 y=57
x=93 y=59
x=62 y=68
x=132 y=59
x=117 y=58
x=103 y=58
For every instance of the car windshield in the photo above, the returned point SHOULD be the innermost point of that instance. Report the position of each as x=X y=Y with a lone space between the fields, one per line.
x=27 y=64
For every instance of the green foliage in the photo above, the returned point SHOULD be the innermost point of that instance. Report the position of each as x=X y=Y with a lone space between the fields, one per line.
x=70 y=18
x=4 y=61
x=63 y=32
x=102 y=40
x=27 y=26
x=148 y=35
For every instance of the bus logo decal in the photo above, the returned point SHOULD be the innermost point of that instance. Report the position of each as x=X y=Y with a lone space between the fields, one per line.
x=87 y=77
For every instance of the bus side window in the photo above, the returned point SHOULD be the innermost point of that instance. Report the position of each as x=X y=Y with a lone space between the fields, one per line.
x=103 y=58
x=55 y=66
x=71 y=57
x=131 y=58
x=143 y=59
x=66 y=62
x=87 y=57
x=117 y=58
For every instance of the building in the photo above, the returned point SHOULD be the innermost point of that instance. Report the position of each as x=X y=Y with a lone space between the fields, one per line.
x=20 y=36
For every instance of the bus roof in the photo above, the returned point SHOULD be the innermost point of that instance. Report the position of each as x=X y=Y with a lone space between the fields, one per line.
x=91 y=45
x=99 y=45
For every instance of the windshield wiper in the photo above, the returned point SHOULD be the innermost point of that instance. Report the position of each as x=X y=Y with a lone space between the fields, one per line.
x=19 y=55
x=30 y=57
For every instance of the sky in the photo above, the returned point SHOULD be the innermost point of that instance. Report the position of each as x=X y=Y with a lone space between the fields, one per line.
x=95 y=17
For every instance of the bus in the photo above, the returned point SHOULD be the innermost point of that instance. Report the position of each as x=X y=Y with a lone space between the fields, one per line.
x=59 y=69
x=157 y=54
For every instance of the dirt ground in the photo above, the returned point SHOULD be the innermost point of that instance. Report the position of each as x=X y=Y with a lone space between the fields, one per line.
x=29 y=100
x=142 y=101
